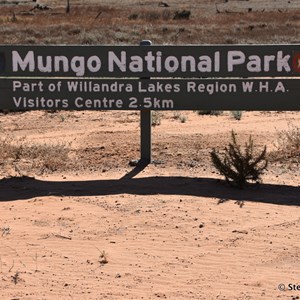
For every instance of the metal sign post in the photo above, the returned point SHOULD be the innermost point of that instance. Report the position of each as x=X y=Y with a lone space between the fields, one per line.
x=145 y=127
x=145 y=136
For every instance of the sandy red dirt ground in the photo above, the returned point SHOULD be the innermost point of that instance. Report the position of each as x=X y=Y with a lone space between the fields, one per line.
x=173 y=230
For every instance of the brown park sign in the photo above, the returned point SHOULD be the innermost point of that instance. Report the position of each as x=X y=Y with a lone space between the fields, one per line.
x=219 y=77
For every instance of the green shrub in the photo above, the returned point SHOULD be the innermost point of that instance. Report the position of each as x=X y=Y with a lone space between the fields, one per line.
x=239 y=166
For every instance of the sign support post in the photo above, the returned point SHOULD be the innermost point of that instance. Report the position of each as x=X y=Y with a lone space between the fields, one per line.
x=145 y=136
x=145 y=125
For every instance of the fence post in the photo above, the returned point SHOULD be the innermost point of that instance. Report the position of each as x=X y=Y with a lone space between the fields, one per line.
x=145 y=125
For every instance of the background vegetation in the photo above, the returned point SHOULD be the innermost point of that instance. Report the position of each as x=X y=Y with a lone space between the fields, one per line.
x=130 y=21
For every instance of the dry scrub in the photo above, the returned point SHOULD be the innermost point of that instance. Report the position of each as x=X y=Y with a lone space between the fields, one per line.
x=287 y=145
x=240 y=166
x=92 y=23
x=23 y=157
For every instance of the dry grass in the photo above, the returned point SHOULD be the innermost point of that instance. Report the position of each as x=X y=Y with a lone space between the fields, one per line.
x=287 y=145
x=23 y=157
x=112 y=24
x=102 y=257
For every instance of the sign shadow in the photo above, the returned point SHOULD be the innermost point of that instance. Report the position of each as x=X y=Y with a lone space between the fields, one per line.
x=23 y=188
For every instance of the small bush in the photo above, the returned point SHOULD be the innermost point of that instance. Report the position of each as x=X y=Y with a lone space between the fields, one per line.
x=103 y=258
x=182 y=15
x=183 y=119
x=288 y=144
x=74 y=31
x=210 y=112
x=16 y=278
x=237 y=114
x=89 y=37
x=9 y=149
x=133 y=17
x=155 y=118
x=239 y=166
x=52 y=157
x=166 y=15
x=151 y=15
x=178 y=116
